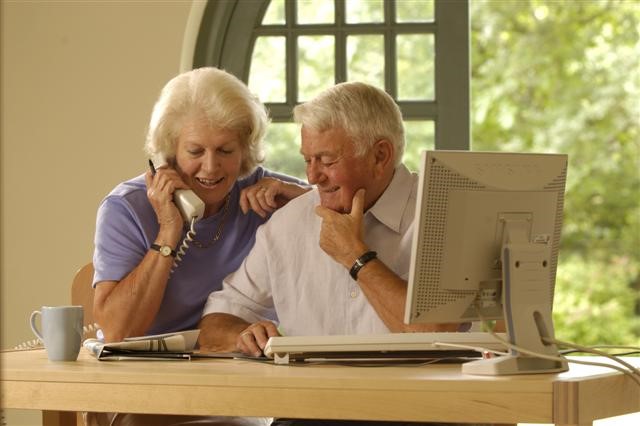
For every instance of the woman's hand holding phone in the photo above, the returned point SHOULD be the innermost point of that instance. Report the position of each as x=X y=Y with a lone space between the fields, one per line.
x=161 y=185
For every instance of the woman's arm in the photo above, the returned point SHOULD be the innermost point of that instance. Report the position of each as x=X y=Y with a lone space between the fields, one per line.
x=269 y=194
x=128 y=307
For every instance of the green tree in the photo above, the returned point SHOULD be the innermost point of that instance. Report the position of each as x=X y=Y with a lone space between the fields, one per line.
x=565 y=77
x=282 y=145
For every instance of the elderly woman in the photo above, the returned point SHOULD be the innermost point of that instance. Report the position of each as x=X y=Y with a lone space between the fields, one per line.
x=153 y=271
x=208 y=127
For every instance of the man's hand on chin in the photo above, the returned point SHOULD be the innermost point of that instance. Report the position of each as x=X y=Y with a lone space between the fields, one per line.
x=341 y=235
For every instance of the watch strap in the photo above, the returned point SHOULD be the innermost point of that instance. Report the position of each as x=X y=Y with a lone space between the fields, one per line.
x=360 y=262
x=164 y=250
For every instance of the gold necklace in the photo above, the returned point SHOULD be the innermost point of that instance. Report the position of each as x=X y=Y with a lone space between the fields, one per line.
x=218 y=234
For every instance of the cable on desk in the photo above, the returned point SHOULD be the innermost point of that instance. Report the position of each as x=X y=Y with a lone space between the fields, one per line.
x=595 y=351
x=473 y=348
x=625 y=367
x=629 y=372
x=627 y=353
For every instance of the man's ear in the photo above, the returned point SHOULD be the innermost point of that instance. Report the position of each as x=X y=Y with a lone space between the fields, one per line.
x=384 y=153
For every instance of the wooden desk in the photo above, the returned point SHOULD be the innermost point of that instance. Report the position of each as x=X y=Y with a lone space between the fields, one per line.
x=245 y=388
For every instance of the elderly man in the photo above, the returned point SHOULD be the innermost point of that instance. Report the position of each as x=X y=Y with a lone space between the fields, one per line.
x=335 y=260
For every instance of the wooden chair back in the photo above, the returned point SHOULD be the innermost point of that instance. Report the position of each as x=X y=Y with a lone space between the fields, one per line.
x=82 y=294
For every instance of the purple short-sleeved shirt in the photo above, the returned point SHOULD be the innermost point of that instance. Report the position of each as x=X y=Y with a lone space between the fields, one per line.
x=127 y=225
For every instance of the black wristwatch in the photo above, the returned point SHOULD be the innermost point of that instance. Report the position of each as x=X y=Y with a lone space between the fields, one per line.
x=164 y=250
x=360 y=262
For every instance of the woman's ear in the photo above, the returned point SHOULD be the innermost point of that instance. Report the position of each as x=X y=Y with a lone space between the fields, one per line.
x=171 y=156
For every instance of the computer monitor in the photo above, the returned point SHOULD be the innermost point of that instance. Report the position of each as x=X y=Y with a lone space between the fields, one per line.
x=485 y=247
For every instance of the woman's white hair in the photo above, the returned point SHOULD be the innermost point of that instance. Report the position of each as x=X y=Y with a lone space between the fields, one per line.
x=223 y=100
x=367 y=114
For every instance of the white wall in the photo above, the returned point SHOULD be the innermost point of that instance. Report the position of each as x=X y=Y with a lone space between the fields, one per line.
x=78 y=83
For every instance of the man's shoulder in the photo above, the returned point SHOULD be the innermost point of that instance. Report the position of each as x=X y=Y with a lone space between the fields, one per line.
x=297 y=210
x=260 y=172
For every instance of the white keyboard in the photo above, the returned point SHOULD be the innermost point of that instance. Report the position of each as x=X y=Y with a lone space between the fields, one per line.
x=399 y=346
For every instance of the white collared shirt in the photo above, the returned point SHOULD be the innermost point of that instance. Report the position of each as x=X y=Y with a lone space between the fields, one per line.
x=288 y=278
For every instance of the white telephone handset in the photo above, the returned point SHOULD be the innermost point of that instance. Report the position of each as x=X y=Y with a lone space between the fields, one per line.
x=188 y=203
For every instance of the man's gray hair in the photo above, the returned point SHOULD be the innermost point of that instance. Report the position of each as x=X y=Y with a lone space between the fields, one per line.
x=367 y=114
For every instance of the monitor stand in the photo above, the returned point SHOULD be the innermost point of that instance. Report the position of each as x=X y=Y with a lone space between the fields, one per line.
x=527 y=303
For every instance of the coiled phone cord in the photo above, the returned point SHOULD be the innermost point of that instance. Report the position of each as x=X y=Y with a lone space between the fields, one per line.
x=36 y=343
x=185 y=244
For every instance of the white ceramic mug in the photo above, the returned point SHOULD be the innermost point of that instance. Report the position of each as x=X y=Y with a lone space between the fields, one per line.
x=61 y=331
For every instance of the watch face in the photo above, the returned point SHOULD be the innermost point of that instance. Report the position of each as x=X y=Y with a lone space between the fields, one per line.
x=165 y=250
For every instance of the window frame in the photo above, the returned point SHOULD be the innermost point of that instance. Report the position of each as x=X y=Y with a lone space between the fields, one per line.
x=232 y=26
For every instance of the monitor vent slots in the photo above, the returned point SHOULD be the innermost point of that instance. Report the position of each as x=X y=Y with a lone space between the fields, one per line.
x=557 y=185
x=430 y=264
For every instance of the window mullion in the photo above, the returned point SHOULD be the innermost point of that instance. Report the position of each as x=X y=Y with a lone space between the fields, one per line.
x=390 y=68
x=340 y=43
x=291 y=55
x=418 y=110
x=452 y=76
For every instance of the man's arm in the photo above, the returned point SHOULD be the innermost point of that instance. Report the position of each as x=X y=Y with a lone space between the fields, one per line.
x=226 y=323
x=220 y=332
x=341 y=237
x=387 y=292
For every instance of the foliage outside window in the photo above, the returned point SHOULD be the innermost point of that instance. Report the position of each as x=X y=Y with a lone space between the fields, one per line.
x=565 y=77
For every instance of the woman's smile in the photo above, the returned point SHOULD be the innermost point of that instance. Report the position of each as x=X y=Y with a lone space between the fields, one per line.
x=209 y=183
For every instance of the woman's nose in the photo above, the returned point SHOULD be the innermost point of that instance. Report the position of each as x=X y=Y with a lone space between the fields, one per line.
x=210 y=162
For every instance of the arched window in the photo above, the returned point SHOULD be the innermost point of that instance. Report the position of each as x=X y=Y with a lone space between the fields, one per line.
x=289 y=50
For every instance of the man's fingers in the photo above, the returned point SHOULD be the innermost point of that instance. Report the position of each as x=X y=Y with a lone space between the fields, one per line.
x=247 y=343
x=271 y=329
x=261 y=337
x=324 y=212
x=357 y=205
x=254 y=338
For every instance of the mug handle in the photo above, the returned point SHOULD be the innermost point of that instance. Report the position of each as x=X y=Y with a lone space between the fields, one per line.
x=32 y=321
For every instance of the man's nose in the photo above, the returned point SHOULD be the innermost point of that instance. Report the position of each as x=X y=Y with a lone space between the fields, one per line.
x=314 y=175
